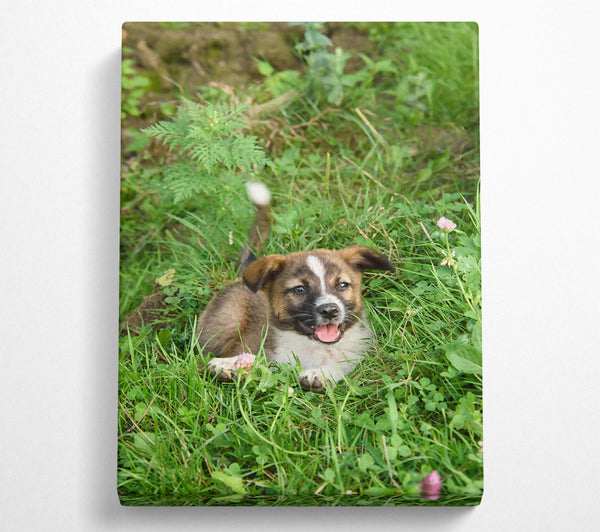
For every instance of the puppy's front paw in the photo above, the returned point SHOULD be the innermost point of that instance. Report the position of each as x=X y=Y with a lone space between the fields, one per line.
x=225 y=368
x=312 y=380
x=221 y=368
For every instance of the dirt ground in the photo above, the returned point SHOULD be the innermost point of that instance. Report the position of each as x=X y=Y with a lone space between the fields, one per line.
x=178 y=58
x=201 y=53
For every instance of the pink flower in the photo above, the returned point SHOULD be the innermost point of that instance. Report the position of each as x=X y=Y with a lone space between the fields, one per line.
x=243 y=361
x=431 y=486
x=446 y=225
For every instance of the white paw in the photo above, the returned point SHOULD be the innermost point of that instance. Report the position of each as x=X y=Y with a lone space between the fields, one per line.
x=222 y=368
x=313 y=379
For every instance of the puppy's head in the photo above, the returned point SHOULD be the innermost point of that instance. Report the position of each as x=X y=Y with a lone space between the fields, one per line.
x=316 y=293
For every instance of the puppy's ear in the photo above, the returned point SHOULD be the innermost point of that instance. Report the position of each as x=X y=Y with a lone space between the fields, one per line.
x=260 y=273
x=365 y=258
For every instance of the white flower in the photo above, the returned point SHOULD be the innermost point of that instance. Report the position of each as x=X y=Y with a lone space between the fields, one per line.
x=448 y=259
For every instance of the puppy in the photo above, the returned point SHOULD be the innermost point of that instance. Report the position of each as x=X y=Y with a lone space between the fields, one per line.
x=305 y=307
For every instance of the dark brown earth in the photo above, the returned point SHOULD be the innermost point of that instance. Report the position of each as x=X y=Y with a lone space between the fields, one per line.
x=225 y=53
x=178 y=59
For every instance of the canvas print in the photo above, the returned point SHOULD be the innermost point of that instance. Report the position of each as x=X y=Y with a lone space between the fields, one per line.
x=300 y=267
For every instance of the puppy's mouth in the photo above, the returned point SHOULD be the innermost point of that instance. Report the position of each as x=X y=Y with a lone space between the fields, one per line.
x=326 y=334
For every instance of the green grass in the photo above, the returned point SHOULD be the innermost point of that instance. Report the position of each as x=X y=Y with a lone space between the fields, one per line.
x=415 y=404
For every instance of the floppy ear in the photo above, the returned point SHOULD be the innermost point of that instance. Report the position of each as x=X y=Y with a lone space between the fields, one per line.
x=365 y=258
x=260 y=273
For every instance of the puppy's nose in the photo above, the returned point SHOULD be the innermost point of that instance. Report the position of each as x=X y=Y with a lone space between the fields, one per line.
x=328 y=310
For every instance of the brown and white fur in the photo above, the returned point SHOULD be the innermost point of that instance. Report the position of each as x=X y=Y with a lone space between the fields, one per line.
x=305 y=306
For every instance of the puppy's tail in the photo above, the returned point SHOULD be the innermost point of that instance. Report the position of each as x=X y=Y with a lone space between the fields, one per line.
x=257 y=236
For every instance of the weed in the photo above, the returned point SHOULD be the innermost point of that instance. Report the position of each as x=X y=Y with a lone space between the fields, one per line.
x=133 y=86
x=210 y=147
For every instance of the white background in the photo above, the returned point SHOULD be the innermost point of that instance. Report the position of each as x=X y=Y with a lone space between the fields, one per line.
x=59 y=170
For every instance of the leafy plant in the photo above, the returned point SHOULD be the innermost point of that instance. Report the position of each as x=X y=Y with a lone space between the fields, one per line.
x=324 y=76
x=464 y=353
x=133 y=87
x=325 y=73
x=211 y=147
x=468 y=415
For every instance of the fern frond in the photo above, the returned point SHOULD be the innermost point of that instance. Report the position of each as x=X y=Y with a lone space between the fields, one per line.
x=210 y=155
x=211 y=138
x=245 y=152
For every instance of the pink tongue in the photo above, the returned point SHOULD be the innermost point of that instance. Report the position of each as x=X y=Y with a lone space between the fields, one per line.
x=327 y=333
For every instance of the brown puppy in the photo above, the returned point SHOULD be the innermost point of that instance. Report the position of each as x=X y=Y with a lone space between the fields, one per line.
x=305 y=306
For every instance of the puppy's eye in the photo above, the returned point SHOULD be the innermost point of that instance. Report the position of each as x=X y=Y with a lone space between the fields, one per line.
x=343 y=285
x=298 y=289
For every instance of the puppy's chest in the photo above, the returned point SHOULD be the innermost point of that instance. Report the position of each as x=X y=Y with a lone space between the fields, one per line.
x=286 y=346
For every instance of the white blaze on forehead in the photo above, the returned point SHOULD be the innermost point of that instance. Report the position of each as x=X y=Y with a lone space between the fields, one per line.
x=318 y=268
